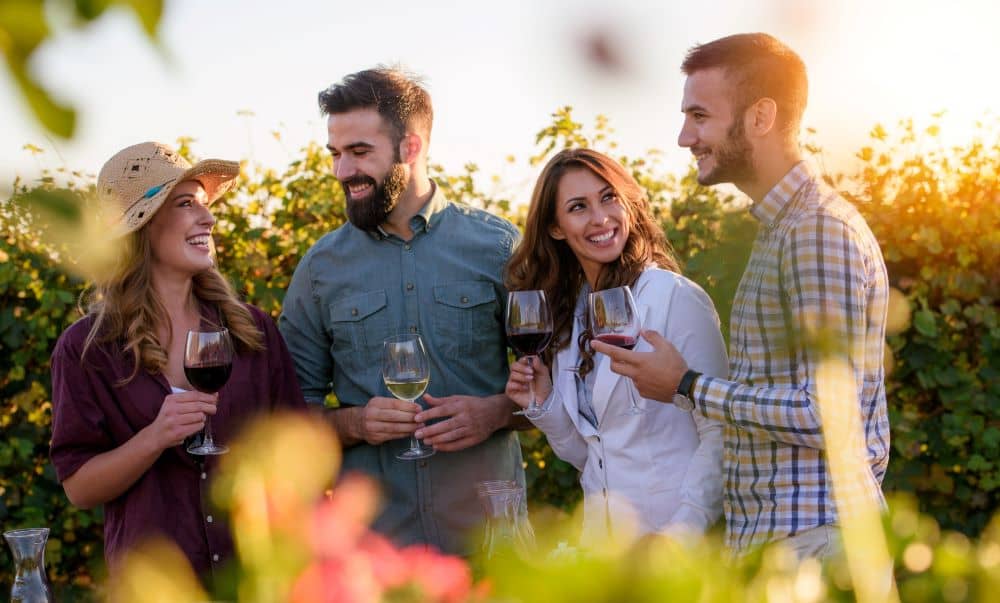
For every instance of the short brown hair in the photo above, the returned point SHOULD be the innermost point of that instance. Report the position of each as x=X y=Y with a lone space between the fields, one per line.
x=759 y=66
x=398 y=97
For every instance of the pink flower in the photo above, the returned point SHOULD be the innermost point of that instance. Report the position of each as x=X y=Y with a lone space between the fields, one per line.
x=441 y=578
x=344 y=580
x=340 y=521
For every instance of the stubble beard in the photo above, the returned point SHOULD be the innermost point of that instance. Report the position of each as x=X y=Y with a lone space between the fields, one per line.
x=733 y=158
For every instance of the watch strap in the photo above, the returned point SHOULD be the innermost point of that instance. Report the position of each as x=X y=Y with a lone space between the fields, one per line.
x=687 y=382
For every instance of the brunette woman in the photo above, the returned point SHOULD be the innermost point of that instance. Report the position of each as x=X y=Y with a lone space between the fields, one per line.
x=589 y=228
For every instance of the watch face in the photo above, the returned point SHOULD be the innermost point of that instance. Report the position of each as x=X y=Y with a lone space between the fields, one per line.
x=683 y=402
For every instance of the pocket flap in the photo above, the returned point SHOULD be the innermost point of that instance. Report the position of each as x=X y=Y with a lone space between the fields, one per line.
x=464 y=294
x=357 y=307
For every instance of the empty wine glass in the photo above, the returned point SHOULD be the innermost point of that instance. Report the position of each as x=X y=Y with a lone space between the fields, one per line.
x=614 y=320
x=208 y=360
x=529 y=330
x=406 y=372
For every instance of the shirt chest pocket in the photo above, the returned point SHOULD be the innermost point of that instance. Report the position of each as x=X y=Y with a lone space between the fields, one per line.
x=465 y=317
x=358 y=326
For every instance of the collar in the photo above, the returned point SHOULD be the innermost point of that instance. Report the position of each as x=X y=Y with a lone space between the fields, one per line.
x=770 y=209
x=428 y=216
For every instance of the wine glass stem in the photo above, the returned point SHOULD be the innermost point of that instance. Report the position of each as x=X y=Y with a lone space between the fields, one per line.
x=207 y=437
x=533 y=405
x=631 y=395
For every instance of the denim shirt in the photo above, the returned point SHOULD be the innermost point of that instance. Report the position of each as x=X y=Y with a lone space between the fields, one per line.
x=351 y=291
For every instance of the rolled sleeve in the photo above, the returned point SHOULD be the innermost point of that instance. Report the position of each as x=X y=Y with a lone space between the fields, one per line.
x=79 y=428
x=302 y=326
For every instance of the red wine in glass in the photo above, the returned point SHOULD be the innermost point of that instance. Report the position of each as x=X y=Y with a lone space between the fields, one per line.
x=208 y=361
x=614 y=320
x=529 y=330
x=529 y=343
x=622 y=341
x=208 y=378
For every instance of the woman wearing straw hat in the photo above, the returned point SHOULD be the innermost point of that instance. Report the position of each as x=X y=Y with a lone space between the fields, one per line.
x=122 y=405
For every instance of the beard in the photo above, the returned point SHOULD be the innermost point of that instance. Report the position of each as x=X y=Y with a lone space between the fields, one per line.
x=733 y=158
x=368 y=213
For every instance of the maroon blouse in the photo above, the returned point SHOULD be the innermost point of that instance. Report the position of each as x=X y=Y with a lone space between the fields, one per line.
x=91 y=415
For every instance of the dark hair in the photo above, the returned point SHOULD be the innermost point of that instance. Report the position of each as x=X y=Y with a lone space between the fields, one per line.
x=542 y=262
x=397 y=96
x=758 y=65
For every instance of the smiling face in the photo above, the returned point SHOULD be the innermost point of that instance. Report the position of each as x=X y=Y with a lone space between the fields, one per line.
x=367 y=163
x=591 y=218
x=181 y=231
x=713 y=129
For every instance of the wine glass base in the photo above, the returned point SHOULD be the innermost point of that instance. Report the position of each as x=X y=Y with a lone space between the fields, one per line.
x=414 y=454
x=530 y=413
x=208 y=449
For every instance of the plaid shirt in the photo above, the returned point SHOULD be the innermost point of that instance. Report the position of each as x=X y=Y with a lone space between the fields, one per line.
x=814 y=257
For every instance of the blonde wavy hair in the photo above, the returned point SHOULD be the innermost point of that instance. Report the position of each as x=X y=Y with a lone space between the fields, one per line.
x=126 y=309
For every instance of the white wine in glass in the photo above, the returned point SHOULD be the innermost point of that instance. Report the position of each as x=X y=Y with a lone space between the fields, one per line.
x=406 y=372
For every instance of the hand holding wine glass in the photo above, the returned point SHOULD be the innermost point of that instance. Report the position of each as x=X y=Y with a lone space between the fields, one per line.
x=208 y=361
x=614 y=320
x=406 y=372
x=529 y=330
x=527 y=373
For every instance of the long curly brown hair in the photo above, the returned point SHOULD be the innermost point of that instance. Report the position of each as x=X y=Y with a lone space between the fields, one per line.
x=126 y=309
x=542 y=262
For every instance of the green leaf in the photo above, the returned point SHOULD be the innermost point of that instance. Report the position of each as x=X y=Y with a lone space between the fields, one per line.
x=925 y=324
x=56 y=118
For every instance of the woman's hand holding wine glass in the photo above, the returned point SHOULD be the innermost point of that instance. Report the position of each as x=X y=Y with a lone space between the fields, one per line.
x=529 y=330
x=526 y=373
x=208 y=360
x=181 y=415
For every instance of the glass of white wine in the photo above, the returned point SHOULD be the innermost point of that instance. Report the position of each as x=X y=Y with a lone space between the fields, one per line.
x=406 y=371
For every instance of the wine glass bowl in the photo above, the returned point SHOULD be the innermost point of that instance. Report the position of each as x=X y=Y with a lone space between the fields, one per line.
x=614 y=320
x=529 y=330
x=208 y=362
x=406 y=373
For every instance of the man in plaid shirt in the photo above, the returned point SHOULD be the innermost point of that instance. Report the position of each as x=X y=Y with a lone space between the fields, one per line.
x=815 y=267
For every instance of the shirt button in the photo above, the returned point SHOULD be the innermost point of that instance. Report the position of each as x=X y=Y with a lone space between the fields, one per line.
x=600 y=463
x=209 y=519
x=215 y=557
x=409 y=286
x=204 y=475
x=354 y=312
x=465 y=299
x=413 y=329
x=406 y=247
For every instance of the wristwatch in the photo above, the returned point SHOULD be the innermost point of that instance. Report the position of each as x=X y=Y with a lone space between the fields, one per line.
x=682 y=398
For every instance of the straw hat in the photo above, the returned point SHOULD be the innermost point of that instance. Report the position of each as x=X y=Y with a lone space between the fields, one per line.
x=137 y=180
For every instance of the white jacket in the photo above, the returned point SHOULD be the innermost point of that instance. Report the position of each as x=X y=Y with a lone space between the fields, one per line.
x=654 y=471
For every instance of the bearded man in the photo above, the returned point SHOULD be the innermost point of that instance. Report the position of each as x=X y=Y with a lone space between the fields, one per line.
x=408 y=261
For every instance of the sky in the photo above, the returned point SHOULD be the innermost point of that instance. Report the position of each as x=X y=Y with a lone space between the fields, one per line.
x=234 y=72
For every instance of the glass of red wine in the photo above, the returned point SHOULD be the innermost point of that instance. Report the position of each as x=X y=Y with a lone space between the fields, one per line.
x=529 y=329
x=208 y=360
x=615 y=321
